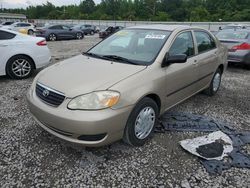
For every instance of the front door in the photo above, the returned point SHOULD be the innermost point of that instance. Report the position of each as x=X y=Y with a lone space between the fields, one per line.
x=181 y=77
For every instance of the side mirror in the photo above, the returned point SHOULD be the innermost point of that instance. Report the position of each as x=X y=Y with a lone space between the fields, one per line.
x=170 y=59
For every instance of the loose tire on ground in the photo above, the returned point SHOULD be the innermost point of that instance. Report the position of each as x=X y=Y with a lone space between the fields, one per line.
x=147 y=107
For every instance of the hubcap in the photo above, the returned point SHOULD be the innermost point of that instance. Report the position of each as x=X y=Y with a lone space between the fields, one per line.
x=21 y=67
x=144 y=123
x=216 y=81
x=52 y=37
x=79 y=35
x=30 y=32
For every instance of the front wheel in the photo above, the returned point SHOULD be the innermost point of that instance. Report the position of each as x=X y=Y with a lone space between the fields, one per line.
x=19 y=67
x=215 y=83
x=79 y=36
x=141 y=122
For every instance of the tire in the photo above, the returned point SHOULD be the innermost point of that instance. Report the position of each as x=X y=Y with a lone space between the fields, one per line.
x=52 y=37
x=79 y=36
x=215 y=84
x=247 y=67
x=20 y=67
x=30 y=32
x=92 y=33
x=135 y=133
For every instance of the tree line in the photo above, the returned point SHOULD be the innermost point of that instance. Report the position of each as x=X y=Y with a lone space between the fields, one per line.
x=154 y=10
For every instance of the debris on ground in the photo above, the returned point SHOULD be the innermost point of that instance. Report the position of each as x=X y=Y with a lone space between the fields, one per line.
x=213 y=148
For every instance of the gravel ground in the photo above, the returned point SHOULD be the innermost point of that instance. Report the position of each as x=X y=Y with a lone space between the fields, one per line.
x=30 y=157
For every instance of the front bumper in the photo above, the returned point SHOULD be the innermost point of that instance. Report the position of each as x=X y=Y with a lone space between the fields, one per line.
x=70 y=125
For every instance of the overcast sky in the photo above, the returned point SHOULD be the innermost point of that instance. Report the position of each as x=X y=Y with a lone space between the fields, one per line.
x=25 y=3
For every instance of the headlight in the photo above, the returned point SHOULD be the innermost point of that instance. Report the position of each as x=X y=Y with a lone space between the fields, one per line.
x=94 y=101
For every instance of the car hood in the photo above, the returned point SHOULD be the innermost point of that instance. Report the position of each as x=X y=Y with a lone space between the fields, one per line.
x=82 y=74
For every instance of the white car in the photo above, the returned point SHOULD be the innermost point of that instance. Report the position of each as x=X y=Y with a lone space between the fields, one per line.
x=21 y=54
x=17 y=26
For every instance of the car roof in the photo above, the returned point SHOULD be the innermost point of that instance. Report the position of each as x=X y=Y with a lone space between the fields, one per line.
x=161 y=27
x=10 y=31
x=234 y=30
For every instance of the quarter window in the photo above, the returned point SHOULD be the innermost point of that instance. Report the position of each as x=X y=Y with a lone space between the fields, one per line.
x=6 y=35
x=204 y=41
x=183 y=44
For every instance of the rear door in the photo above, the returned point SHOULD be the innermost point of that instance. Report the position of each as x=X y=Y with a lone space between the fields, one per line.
x=207 y=57
x=181 y=77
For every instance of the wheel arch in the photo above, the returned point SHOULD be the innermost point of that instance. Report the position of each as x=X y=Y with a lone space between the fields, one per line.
x=152 y=96
x=32 y=60
x=221 y=68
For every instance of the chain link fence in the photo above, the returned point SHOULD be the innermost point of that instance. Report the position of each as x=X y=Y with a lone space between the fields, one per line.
x=213 y=26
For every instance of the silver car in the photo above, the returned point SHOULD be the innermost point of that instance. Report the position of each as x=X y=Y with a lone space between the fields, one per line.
x=238 y=44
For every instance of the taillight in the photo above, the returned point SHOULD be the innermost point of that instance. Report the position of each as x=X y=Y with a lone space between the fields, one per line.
x=243 y=46
x=42 y=43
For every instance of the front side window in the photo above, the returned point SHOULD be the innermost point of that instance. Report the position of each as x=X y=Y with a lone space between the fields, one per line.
x=138 y=45
x=204 y=41
x=18 y=25
x=183 y=44
x=65 y=27
x=6 y=35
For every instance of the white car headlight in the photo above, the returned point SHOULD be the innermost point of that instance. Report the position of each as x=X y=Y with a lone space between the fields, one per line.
x=95 y=101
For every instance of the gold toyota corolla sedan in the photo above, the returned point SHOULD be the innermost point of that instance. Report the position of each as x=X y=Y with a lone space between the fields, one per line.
x=119 y=87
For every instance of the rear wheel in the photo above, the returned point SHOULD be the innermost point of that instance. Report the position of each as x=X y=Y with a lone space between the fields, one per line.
x=30 y=32
x=215 y=84
x=141 y=122
x=20 y=67
x=52 y=37
x=247 y=67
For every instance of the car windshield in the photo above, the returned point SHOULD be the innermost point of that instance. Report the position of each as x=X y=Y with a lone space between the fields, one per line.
x=76 y=27
x=232 y=35
x=137 y=46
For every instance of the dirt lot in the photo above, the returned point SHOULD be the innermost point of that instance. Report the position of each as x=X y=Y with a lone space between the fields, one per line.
x=30 y=157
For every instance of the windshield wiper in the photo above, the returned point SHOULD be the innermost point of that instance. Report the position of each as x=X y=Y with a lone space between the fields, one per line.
x=95 y=55
x=119 y=58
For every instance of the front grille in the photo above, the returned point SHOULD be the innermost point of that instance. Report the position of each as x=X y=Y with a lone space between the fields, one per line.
x=49 y=96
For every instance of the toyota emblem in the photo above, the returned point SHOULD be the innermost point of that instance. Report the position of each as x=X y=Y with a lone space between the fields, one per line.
x=45 y=93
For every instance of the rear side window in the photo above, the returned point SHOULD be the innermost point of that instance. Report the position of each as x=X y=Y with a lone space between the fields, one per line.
x=204 y=41
x=55 y=27
x=6 y=35
x=183 y=44
x=26 y=25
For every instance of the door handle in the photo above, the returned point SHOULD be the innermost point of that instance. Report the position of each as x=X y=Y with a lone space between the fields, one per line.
x=195 y=62
x=3 y=45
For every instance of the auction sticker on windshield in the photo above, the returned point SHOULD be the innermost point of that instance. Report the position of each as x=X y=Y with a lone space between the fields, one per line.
x=152 y=36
